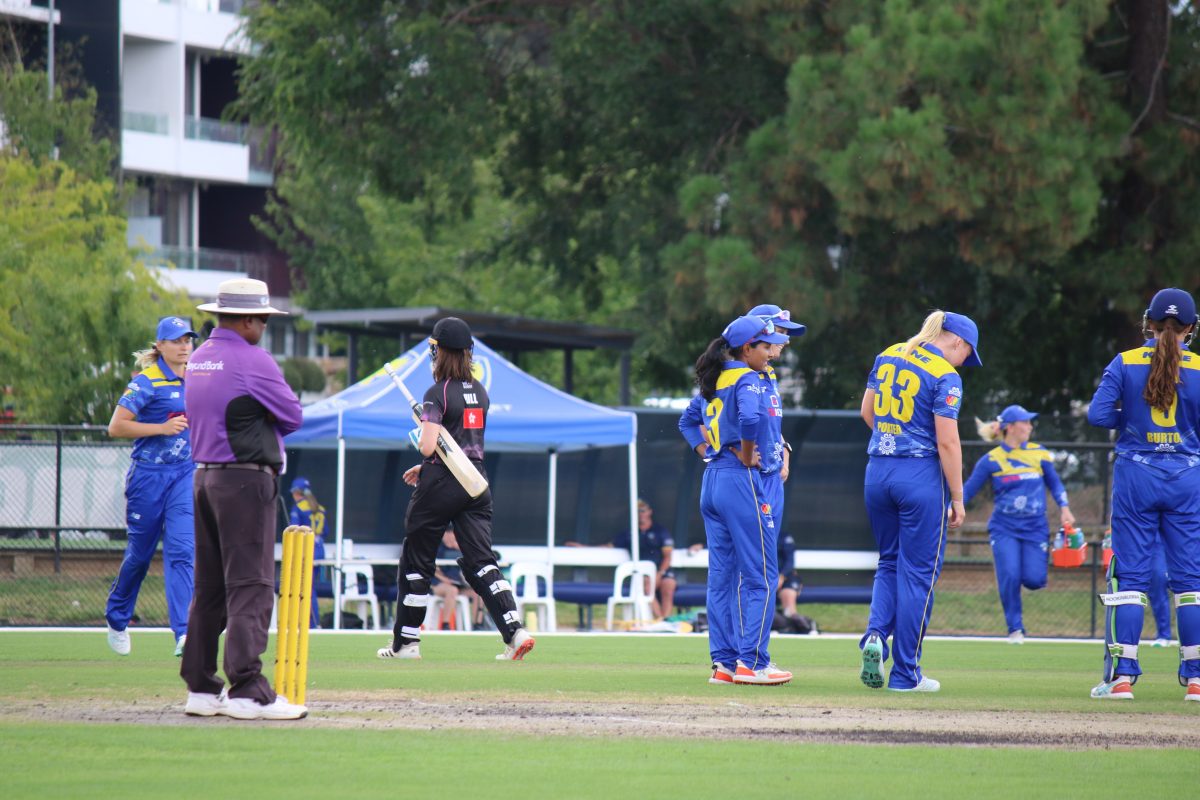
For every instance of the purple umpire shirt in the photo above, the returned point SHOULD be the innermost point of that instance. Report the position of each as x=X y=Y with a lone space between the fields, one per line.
x=239 y=408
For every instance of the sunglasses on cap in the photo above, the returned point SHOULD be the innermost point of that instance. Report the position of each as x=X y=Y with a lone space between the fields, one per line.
x=768 y=329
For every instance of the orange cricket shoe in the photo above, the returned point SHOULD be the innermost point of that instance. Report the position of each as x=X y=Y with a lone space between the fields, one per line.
x=770 y=675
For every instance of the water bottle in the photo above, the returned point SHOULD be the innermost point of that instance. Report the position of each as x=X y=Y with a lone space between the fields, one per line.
x=1059 y=540
x=1107 y=540
x=1074 y=537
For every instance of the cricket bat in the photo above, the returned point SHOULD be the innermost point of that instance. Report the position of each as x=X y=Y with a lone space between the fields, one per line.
x=447 y=449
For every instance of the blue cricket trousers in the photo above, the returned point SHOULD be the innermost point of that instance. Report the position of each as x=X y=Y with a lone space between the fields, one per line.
x=1019 y=555
x=1153 y=498
x=742 y=565
x=907 y=500
x=158 y=505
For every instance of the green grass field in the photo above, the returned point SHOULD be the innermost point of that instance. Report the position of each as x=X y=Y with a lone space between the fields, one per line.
x=590 y=717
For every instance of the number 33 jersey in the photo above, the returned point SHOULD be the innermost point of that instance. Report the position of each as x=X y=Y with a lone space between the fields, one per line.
x=910 y=390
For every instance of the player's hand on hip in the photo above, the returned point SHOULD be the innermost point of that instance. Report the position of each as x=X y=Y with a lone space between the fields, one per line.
x=412 y=475
x=749 y=455
x=174 y=425
x=957 y=514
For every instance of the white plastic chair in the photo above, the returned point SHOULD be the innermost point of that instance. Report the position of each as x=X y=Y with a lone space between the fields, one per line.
x=351 y=593
x=433 y=613
x=524 y=577
x=636 y=599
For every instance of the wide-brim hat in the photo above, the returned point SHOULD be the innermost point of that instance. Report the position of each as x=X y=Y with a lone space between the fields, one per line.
x=241 y=296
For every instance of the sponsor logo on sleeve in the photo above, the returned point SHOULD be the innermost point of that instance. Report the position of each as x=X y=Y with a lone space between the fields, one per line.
x=951 y=401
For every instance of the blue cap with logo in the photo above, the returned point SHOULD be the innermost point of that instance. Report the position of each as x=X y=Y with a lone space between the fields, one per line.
x=779 y=316
x=751 y=329
x=1015 y=414
x=172 y=328
x=964 y=326
x=301 y=485
x=1172 y=303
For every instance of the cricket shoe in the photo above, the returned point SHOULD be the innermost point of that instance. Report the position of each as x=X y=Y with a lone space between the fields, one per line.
x=119 y=641
x=1193 y=692
x=872 y=663
x=1016 y=637
x=1118 y=689
x=926 y=685
x=202 y=704
x=406 y=651
x=1161 y=642
x=246 y=708
x=721 y=674
x=179 y=646
x=518 y=648
x=770 y=675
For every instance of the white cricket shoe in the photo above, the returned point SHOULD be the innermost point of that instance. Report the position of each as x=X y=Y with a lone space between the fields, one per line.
x=1161 y=642
x=406 y=651
x=926 y=685
x=179 y=645
x=518 y=648
x=246 y=708
x=770 y=675
x=1016 y=637
x=119 y=641
x=201 y=704
x=1119 y=688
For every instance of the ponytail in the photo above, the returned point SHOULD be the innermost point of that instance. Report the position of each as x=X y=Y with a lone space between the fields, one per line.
x=145 y=359
x=1164 y=365
x=709 y=366
x=989 y=431
x=931 y=329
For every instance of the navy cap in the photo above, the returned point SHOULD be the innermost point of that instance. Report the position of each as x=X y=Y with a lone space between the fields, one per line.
x=781 y=318
x=453 y=333
x=1172 y=303
x=301 y=485
x=965 y=327
x=751 y=329
x=172 y=328
x=1015 y=414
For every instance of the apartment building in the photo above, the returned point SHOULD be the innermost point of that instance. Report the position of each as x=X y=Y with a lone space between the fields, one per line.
x=165 y=72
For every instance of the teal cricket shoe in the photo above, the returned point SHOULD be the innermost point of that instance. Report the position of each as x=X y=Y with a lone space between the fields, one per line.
x=872 y=663
x=179 y=646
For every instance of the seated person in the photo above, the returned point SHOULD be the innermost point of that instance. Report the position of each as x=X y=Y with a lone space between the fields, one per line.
x=654 y=544
x=789 y=585
x=448 y=584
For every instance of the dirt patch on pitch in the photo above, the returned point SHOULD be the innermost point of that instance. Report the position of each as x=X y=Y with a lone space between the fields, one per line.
x=685 y=719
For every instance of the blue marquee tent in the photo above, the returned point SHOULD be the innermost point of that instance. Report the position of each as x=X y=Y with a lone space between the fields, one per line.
x=526 y=415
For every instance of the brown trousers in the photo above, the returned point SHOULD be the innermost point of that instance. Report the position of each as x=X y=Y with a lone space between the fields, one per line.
x=234 y=582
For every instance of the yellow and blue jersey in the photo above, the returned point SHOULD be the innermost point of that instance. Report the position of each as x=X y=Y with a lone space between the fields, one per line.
x=153 y=396
x=739 y=410
x=1017 y=475
x=303 y=513
x=1147 y=432
x=910 y=390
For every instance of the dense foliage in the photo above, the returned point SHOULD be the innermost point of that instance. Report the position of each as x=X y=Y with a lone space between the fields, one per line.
x=663 y=166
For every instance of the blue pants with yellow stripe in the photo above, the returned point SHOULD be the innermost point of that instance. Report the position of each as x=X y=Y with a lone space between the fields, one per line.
x=1152 y=498
x=1019 y=556
x=158 y=505
x=742 y=565
x=906 y=500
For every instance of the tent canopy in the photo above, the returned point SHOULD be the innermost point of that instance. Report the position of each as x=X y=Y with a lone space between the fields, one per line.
x=526 y=415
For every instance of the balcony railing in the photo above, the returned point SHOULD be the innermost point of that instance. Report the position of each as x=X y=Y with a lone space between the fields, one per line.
x=212 y=258
x=214 y=130
x=145 y=122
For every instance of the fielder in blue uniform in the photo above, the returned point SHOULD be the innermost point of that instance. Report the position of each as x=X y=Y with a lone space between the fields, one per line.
x=1151 y=396
x=1019 y=472
x=735 y=436
x=307 y=511
x=158 y=486
x=913 y=488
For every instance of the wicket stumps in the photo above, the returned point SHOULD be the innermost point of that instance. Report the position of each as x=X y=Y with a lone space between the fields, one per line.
x=295 y=593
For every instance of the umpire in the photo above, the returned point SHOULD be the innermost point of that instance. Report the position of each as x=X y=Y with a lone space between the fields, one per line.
x=459 y=403
x=239 y=408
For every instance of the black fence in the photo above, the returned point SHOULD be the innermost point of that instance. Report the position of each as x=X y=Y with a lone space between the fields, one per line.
x=62 y=525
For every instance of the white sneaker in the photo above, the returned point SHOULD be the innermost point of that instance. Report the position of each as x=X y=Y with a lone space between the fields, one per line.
x=926 y=685
x=119 y=641
x=245 y=708
x=1160 y=642
x=200 y=704
x=770 y=675
x=518 y=648
x=1119 y=688
x=1016 y=637
x=410 y=651
x=179 y=646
